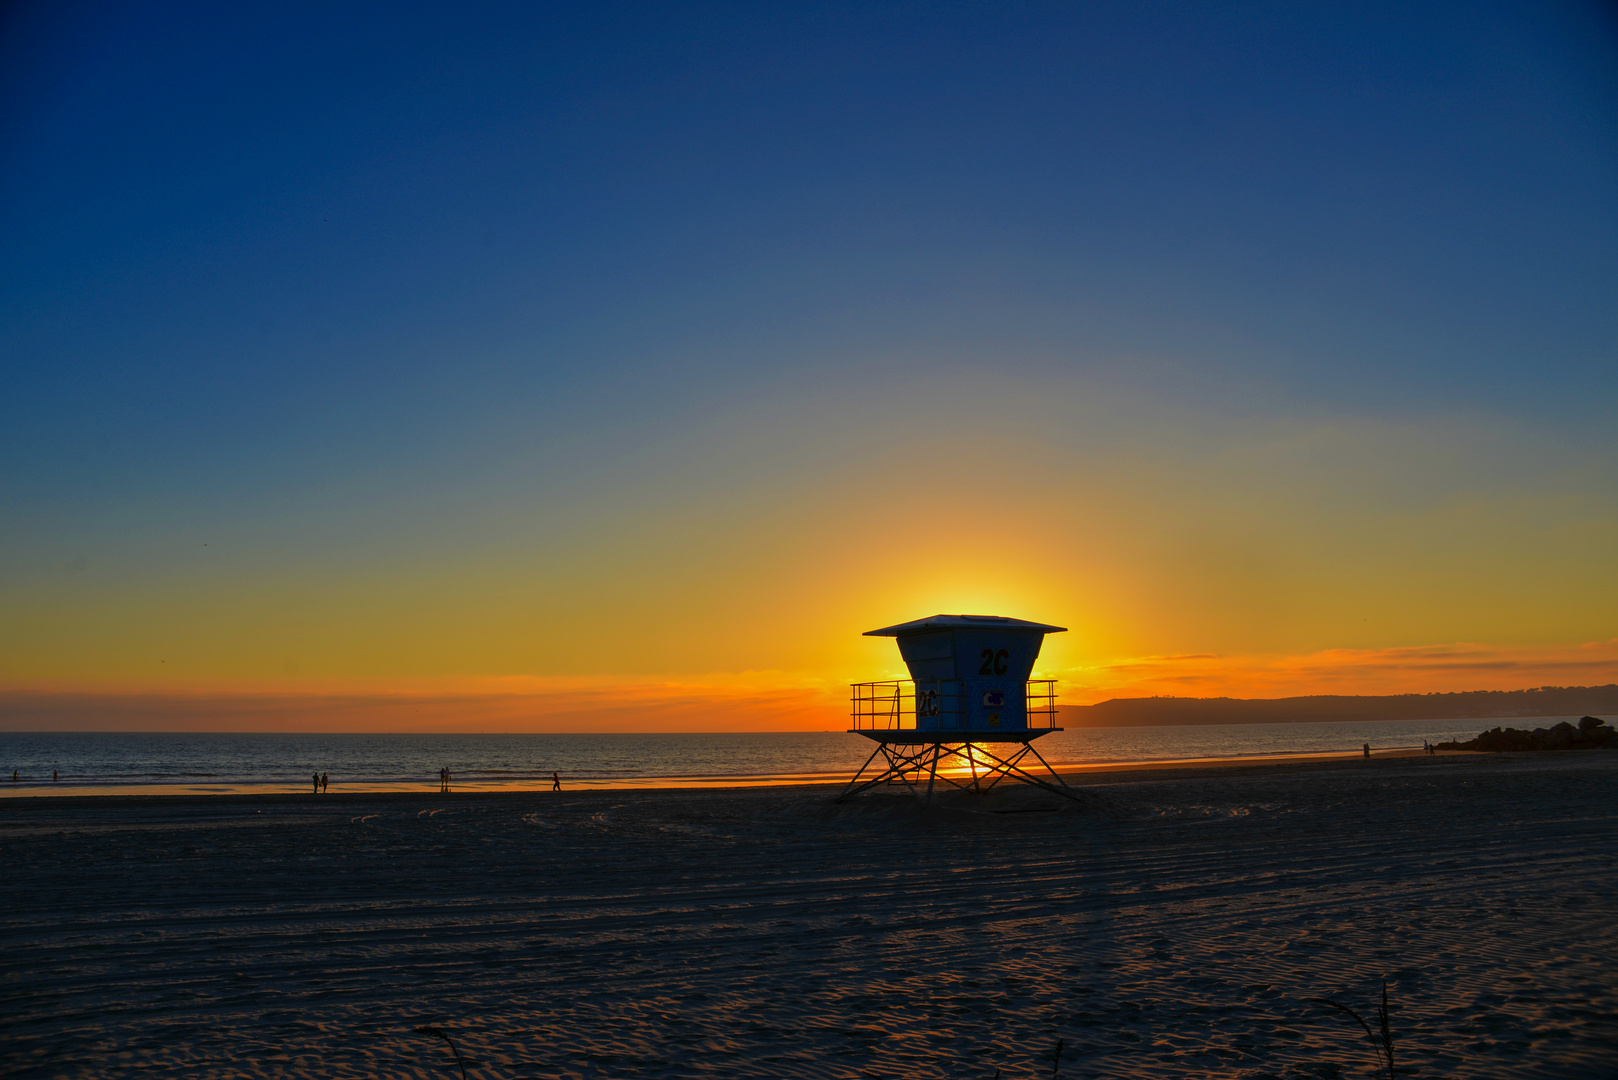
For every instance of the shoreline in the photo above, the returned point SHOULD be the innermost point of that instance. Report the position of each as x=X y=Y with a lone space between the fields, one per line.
x=429 y=786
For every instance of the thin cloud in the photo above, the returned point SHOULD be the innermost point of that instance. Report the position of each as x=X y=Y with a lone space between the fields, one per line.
x=1396 y=670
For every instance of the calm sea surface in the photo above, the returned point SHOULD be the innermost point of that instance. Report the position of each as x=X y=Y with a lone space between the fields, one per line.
x=105 y=759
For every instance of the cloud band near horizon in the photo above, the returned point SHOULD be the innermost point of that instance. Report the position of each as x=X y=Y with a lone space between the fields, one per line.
x=772 y=701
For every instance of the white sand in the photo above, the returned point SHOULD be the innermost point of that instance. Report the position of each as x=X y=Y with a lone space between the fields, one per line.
x=1177 y=930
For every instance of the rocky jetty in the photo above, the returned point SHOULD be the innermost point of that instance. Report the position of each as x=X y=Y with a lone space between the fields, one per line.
x=1592 y=732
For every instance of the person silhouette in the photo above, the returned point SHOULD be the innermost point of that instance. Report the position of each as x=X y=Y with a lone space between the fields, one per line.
x=556 y=781
x=317 y=783
x=324 y=783
x=1367 y=749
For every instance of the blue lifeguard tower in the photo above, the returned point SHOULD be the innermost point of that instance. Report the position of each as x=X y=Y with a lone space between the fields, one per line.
x=968 y=690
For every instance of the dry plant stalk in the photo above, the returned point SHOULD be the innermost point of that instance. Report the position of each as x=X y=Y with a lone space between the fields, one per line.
x=440 y=1033
x=1384 y=1046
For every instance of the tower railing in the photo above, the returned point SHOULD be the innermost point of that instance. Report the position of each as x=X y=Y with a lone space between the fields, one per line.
x=1041 y=703
x=892 y=704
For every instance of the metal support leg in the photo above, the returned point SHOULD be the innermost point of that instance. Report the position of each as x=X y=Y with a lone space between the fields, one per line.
x=902 y=765
x=987 y=768
x=1012 y=768
x=897 y=766
x=849 y=790
x=1042 y=761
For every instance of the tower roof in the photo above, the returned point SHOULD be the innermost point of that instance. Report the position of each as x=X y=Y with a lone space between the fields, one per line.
x=959 y=622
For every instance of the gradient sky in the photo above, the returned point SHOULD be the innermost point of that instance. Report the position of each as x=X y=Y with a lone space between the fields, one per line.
x=628 y=362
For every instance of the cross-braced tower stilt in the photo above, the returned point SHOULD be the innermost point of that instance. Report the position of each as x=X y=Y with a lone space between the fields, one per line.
x=968 y=703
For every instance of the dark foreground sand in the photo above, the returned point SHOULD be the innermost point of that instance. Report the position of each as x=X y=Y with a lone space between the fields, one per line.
x=1177 y=925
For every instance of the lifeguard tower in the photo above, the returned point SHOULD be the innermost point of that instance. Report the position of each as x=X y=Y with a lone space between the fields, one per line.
x=968 y=690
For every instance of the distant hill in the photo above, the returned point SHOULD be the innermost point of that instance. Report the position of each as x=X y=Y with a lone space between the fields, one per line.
x=1472 y=704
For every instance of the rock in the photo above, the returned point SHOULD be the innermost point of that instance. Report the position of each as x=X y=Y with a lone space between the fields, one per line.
x=1592 y=732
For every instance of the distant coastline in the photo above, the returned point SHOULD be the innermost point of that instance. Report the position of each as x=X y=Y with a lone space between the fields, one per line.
x=1319 y=708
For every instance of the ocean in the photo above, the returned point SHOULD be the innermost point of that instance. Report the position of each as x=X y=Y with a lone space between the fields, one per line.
x=202 y=760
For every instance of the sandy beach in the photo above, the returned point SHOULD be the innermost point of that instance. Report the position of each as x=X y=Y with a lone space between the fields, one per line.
x=1176 y=923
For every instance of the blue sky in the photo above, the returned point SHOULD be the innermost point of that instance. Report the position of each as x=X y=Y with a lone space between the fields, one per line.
x=385 y=289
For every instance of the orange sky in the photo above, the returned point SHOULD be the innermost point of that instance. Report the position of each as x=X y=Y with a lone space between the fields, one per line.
x=1220 y=560
x=772 y=701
